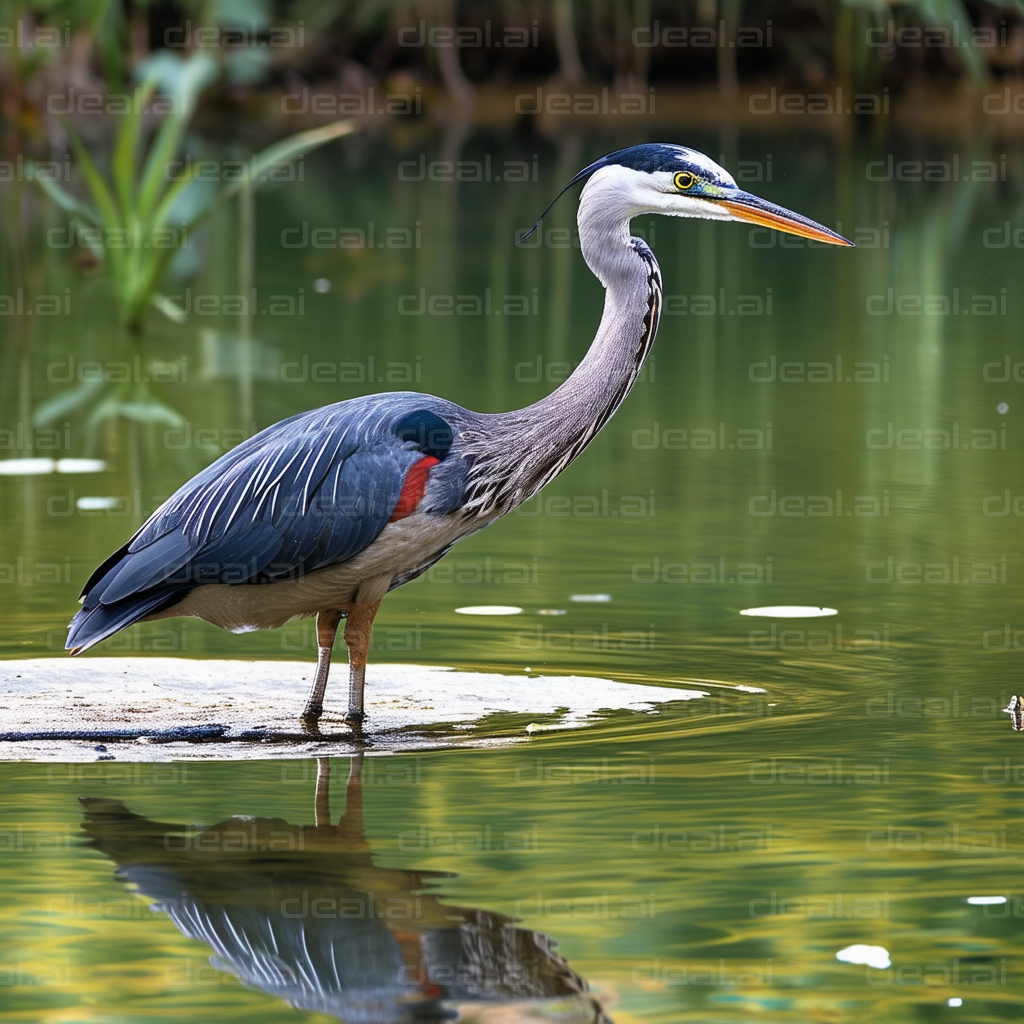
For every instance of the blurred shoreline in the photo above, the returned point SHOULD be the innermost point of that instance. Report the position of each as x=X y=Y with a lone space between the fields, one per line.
x=838 y=69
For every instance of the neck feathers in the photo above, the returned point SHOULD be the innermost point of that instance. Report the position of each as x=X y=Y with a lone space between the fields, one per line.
x=515 y=454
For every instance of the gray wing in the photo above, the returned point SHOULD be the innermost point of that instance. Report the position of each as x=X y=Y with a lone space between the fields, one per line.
x=306 y=493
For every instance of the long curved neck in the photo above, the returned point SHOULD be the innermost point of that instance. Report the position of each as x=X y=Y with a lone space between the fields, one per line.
x=632 y=304
x=545 y=437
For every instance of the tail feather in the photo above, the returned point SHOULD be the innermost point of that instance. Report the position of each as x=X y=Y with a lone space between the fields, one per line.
x=91 y=626
x=101 y=570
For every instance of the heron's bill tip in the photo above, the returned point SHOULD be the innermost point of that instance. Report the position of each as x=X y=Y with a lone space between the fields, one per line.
x=768 y=215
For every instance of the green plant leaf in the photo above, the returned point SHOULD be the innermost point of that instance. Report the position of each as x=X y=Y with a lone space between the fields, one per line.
x=124 y=162
x=104 y=200
x=106 y=26
x=66 y=402
x=154 y=175
x=168 y=308
x=279 y=153
x=289 y=149
x=101 y=194
x=106 y=409
x=64 y=199
x=150 y=411
x=163 y=210
x=183 y=82
x=144 y=285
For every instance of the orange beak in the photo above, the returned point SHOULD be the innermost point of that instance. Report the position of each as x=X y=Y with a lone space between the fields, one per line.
x=751 y=208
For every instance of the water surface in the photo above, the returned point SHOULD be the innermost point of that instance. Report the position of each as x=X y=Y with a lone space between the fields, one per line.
x=816 y=427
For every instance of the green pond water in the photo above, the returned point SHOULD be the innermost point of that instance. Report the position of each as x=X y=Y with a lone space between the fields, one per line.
x=816 y=427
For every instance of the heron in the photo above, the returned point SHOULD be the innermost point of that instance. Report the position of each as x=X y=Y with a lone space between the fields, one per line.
x=324 y=513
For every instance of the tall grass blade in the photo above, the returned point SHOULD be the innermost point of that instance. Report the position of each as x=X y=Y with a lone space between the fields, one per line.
x=64 y=199
x=125 y=160
x=104 y=200
x=101 y=194
x=284 y=152
x=183 y=86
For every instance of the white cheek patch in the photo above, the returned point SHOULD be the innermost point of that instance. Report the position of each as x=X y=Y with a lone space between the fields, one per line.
x=621 y=189
x=680 y=206
x=632 y=187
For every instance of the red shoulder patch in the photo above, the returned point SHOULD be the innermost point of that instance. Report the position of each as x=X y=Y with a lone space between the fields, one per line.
x=413 y=486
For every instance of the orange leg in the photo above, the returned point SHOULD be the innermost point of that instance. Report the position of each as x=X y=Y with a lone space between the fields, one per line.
x=326 y=630
x=358 y=628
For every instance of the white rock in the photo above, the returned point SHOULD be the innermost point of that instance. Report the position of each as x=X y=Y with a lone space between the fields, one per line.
x=47 y=694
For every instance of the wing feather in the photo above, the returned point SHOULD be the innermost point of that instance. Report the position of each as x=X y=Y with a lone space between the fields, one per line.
x=306 y=493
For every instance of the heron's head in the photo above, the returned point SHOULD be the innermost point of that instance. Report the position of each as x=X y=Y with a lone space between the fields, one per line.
x=663 y=178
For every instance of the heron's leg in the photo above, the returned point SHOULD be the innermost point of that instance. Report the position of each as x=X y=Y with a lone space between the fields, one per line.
x=322 y=803
x=351 y=822
x=358 y=627
x=326 y=630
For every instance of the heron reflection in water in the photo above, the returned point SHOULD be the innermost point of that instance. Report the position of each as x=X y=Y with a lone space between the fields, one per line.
x=304 y=914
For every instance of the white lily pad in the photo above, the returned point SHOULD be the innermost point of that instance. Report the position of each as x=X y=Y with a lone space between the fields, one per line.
x=870 y=956
x=89 y=503
x=26 y=467
x=80 y=466
x=790 y=611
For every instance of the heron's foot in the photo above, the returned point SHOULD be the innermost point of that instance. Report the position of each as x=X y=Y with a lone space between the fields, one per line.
x=311 y=726
x=311 y=714
x=354 y=719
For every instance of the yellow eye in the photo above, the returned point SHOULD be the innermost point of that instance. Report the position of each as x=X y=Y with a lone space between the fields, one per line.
x=684 y=180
